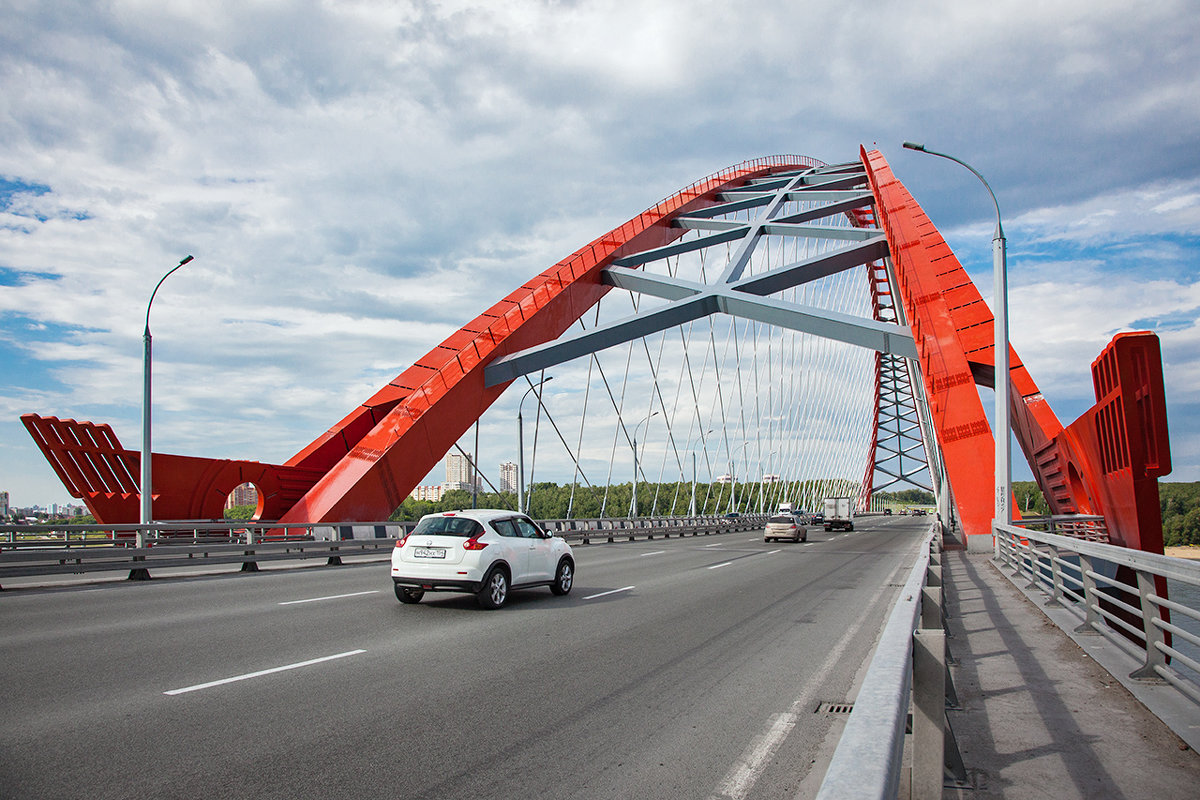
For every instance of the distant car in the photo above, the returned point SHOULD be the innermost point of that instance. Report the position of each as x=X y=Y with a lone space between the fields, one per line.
x=732 y=515
x=919 y=512
x=484 y=552
x=785 y=526
x=887 y=512
x=817 y=518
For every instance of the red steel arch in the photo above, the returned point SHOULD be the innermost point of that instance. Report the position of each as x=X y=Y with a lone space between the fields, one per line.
x=1105 y=463
x=362 y=468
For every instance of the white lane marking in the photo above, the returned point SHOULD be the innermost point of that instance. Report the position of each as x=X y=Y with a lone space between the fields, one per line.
x=727 y=563
x=655 y=553
x=718 y=544
x=611 y=591
x=330 y=597
x=745 y=772
x=261 y=672
x=809 y=544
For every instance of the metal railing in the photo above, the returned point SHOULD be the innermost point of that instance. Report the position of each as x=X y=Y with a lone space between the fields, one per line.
x=908 y=668
x=1078 y=526
x=1137 y=615
x=32 y=550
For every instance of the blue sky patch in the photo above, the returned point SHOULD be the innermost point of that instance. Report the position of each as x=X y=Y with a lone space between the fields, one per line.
x=10 y=187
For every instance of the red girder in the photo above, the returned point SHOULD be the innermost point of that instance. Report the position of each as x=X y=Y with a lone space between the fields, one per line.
x=364 y=467
x=1107 y=462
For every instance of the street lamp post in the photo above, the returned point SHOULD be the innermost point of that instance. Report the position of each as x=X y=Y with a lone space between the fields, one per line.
x=146 y=485
x=704 y=442
x=1003 y=449
x=762 y=485
x=522 y=506
x=633 y=506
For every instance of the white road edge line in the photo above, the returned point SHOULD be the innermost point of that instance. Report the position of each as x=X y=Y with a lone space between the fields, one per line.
x=262 y=672
x=330 y=597
x=745 y=772
x=611 y=591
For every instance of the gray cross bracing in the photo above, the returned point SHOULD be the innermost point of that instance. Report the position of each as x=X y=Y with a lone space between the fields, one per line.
x=837 y=190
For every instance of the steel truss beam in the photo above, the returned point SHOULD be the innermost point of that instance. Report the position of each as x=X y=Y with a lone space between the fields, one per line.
x=732 y=294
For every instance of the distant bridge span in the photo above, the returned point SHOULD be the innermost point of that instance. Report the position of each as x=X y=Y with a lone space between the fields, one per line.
x=926 y=323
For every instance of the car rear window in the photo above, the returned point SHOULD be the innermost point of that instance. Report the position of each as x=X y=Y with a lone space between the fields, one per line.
x=448 y=526
x=783 y=519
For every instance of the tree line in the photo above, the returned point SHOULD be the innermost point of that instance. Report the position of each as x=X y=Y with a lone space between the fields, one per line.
x=1179 y=502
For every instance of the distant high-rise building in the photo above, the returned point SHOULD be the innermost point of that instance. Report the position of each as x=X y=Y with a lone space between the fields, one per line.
x=459 y=474
x=3 y=505
x=244 y=495
x=508 y=477
x=430 y=493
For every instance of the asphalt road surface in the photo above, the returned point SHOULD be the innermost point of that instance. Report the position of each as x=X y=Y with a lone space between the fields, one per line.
x=684 y=668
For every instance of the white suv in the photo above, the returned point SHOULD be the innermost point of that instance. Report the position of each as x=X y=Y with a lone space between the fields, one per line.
x=484 y=552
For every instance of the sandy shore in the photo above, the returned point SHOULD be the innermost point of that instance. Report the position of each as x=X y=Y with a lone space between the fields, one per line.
x=1190 y=551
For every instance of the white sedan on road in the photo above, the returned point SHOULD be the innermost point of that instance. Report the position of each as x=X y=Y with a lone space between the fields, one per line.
x=484 y=552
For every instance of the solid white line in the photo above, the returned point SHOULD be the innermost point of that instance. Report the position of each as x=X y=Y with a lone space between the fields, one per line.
x=260 y=673
x=613 y=591
x=330 y=597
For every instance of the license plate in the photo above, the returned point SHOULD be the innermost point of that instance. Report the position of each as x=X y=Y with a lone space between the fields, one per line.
x=429 y=552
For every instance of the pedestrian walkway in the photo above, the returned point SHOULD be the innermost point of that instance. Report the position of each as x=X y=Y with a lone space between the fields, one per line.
x=1040 y=718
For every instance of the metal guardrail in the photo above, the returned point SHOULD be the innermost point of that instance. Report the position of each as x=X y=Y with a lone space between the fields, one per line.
x=27 y=550
x=1082 y=578
x=1090 y=528
x=908 y=667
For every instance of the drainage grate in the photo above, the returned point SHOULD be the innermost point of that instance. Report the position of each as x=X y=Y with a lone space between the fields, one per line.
x=834 y=708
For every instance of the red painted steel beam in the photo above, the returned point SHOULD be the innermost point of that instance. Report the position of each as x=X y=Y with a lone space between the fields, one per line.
x=1106 y=463
x=374 y=457
x=95 y=468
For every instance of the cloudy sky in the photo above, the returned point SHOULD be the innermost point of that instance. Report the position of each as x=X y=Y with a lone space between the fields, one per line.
x=358 y=179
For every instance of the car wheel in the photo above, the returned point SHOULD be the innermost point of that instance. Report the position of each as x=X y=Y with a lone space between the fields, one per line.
x=805 y=538
x=564 y=577
x=495 y=589
x=406 y=594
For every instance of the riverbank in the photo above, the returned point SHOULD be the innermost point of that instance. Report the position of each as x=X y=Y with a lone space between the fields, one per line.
x=1187 y=551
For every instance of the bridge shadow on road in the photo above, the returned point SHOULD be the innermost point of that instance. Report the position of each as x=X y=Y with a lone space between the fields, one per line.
x=1039 y=717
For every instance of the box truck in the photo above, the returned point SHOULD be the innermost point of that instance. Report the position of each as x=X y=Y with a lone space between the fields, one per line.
x=838 y=514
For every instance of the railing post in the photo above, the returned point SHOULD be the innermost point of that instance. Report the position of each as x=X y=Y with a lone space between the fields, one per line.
x=1035 y=566
x=1151 y=612
x=1090 y=599
x=1055 y=579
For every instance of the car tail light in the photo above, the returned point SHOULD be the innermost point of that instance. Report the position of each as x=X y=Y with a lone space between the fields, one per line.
x=400 y=542
x=474 y=544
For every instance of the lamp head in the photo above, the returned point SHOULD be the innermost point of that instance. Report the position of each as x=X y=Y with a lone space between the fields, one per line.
x=914 y=146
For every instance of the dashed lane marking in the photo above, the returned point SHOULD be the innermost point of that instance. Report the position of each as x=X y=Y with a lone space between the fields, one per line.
x=329 y=597
x=611 y=591
x=262 y=672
